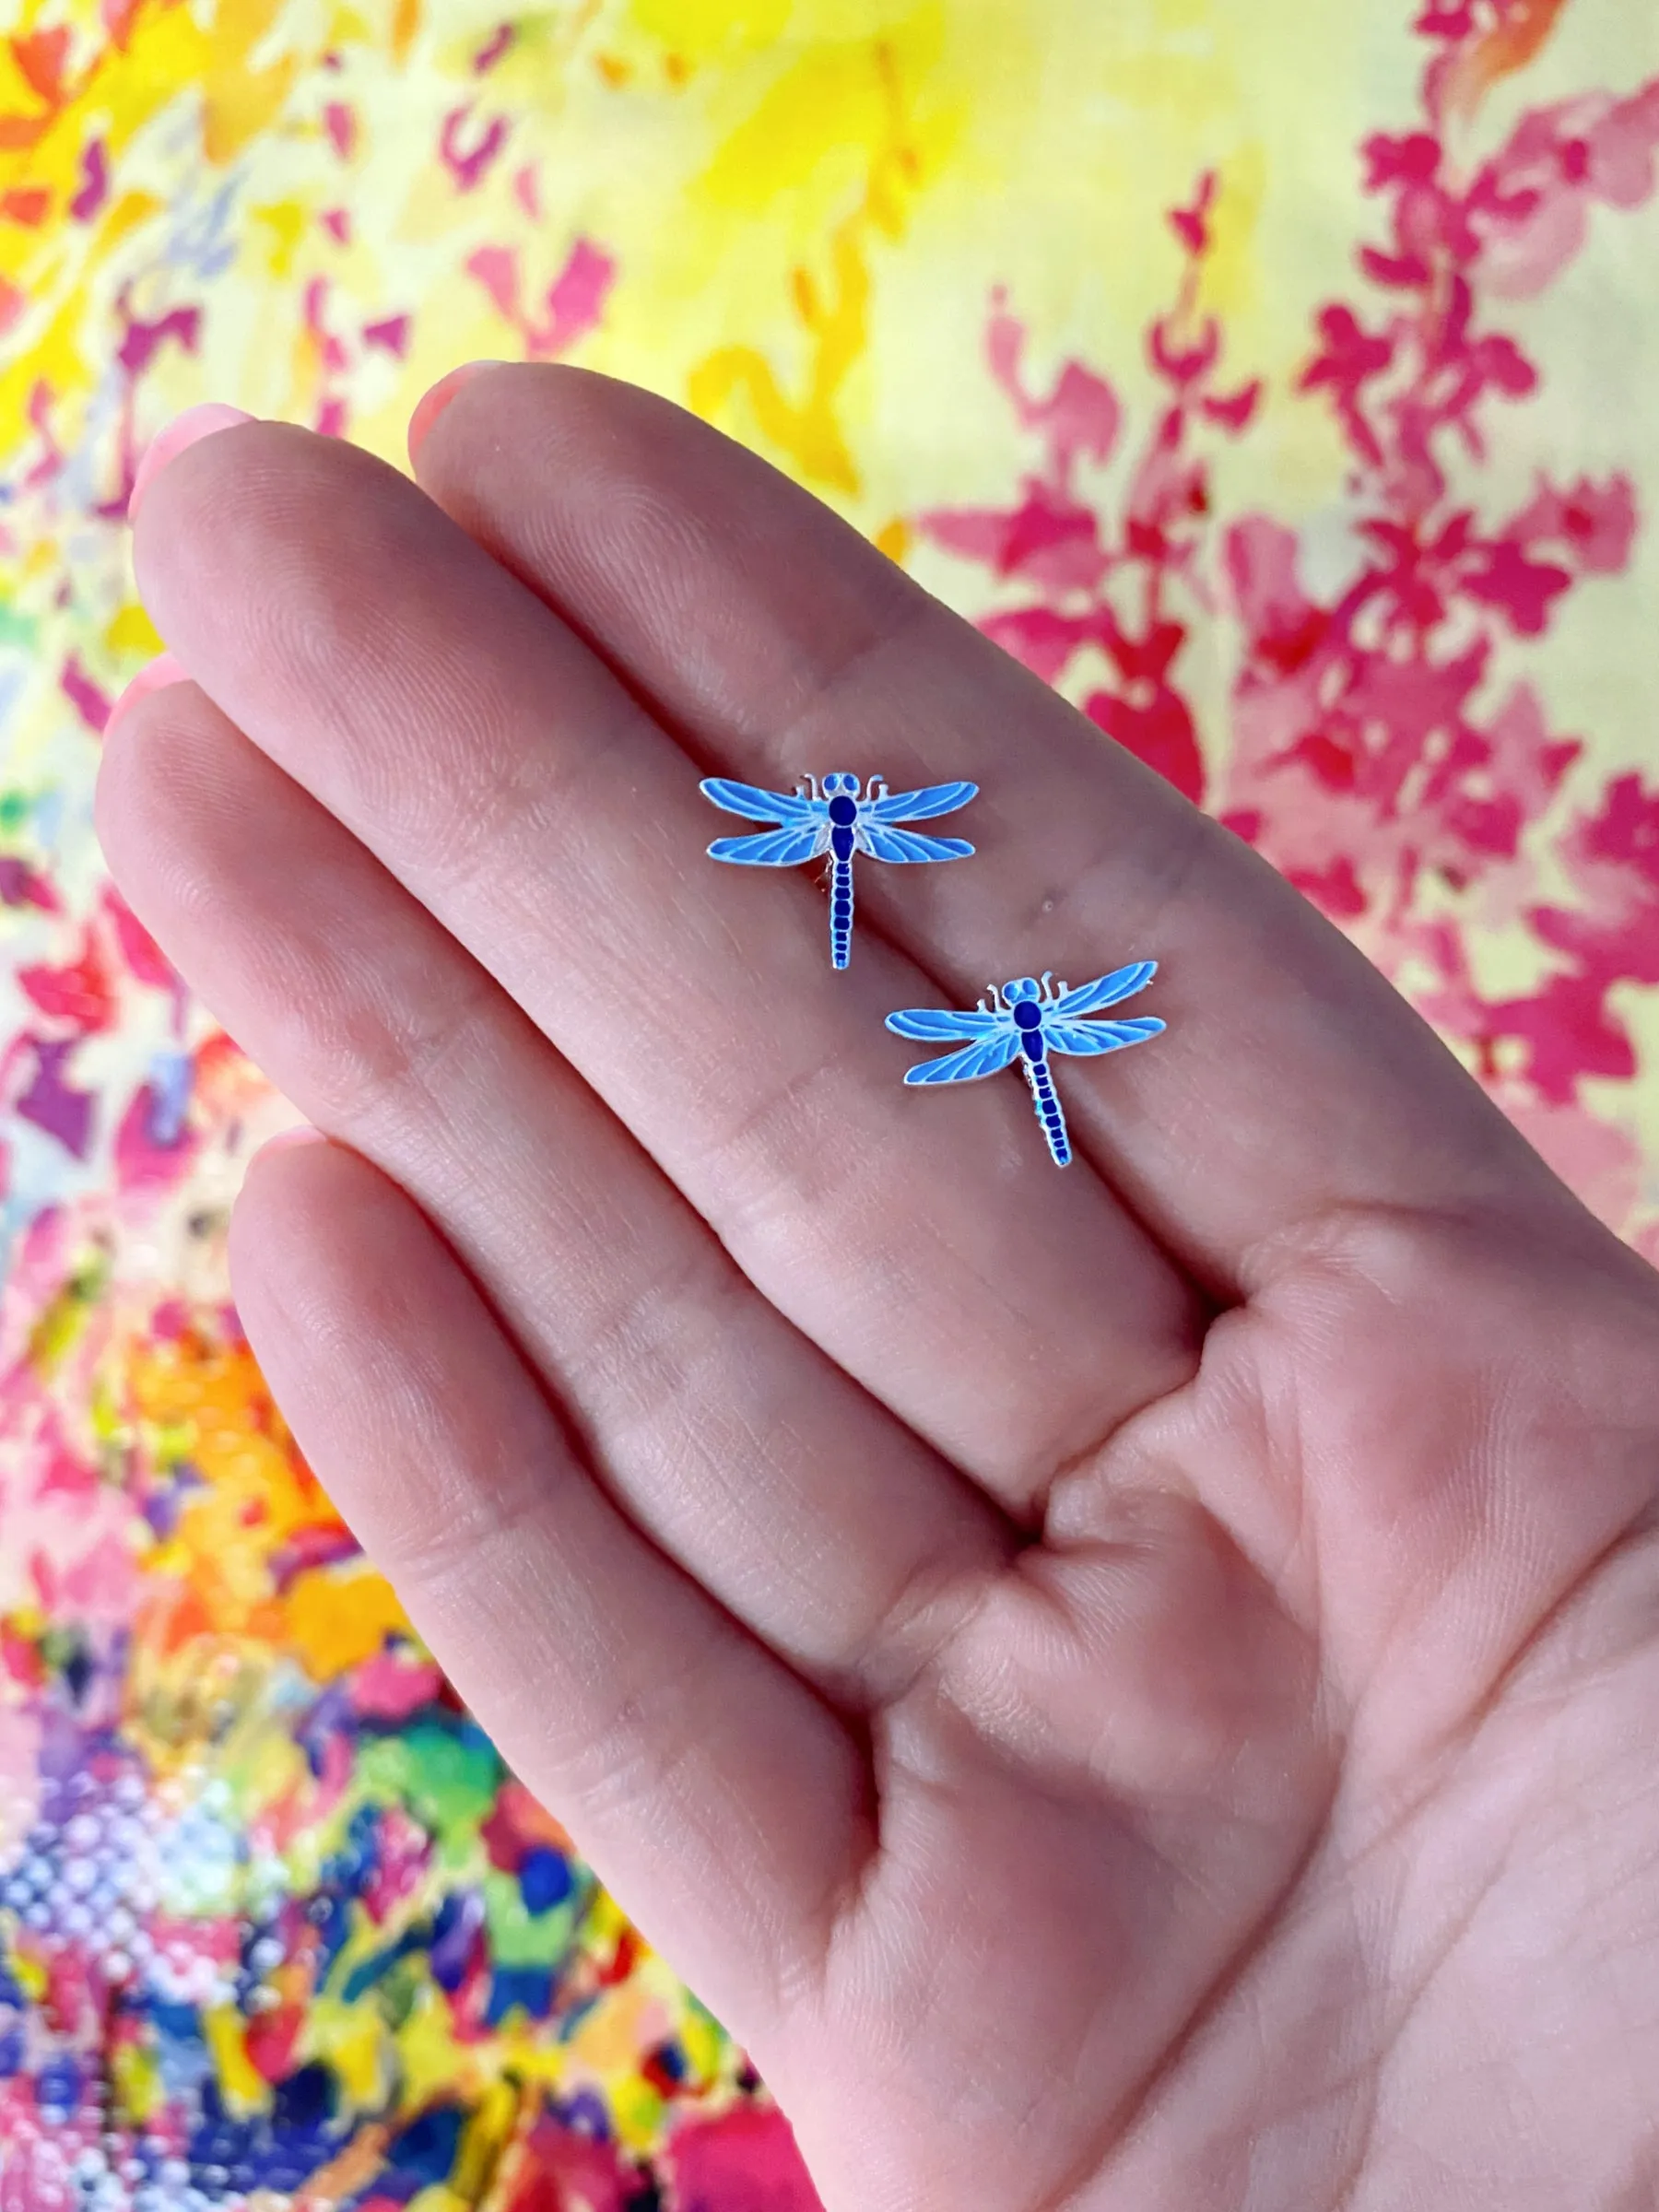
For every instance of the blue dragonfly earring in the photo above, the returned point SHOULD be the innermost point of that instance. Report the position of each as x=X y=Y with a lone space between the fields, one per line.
x=838 y=822
x=1028 y=1021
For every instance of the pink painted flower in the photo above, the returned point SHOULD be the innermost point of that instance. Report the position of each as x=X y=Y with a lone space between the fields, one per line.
x=1533 y=212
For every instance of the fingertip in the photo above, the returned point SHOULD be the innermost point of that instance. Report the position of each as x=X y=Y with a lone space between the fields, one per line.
x=287 y=1140
x=432 y=403
x=162 y=670
x=187 y=429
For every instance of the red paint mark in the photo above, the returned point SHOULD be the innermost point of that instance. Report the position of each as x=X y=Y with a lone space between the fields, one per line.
x=403 y=1853
x=41 y=59
x=1157 y=728
x=1497 y=52
x=1191 y=225
x=79 y=992
x=270 y=2040
x=26 y=204
x=744 y=2161
x=1374 y=759
x=517 y=1823
x=563 y=2168
x=117 y=18
x=145 y=961
x=1101 y=585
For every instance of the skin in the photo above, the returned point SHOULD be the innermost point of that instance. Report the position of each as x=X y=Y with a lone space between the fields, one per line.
x=1123 y=1688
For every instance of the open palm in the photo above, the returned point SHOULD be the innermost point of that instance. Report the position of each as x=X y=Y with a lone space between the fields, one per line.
x=1123 y=1688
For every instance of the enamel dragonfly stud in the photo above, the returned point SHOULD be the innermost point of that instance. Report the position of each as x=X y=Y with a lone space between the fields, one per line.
x=1029 y=1020
x=837 y=821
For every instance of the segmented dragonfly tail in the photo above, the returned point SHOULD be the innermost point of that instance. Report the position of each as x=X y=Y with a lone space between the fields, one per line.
x=1047 y=1112
x=841 y=913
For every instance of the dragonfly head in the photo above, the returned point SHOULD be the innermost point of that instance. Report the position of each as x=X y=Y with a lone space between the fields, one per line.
x=838 y=783
x=1023 y=987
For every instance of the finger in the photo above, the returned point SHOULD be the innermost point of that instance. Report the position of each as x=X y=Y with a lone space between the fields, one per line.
x=715 y=1794
x=1294 y=1079
x=737 y=1446
x=501 y=770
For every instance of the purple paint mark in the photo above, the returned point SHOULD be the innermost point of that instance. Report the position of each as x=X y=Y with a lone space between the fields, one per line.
x=172 y=1075
x=393 y=334
x=452 y=1946
x=92 y=704
x=466 y=168
x=39 y=410
x=95 y=182
x=19 y=886
x=51 y=1104
x=143 y=338
x=148 y=1155
x=490 y=54
x=308 y=1548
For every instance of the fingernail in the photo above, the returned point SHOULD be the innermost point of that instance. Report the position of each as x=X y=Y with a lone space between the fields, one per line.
x=182 y=431
x=163 y=669
x=303 y=1135
x=431 y=403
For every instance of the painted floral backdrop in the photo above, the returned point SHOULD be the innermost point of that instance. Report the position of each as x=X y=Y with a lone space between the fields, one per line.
x=1278 y=380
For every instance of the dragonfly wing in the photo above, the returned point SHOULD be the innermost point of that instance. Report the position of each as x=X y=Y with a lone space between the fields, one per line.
x=918 y=805
x=974 y=1060
x=904 y=844
x=1106 y=990
x=759 y=805
x=774 y=848
x=1085 y=1037
x=936 y=1027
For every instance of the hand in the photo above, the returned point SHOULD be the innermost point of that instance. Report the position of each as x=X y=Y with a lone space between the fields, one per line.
x=1124 y=1688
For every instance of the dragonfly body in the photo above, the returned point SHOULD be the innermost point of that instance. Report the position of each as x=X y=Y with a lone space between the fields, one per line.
x=1029 y=1021
x=843 y=844
x=842 y=819
x=1033 y=1044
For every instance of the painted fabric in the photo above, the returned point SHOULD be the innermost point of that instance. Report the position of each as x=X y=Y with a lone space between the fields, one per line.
x=1274 y=379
